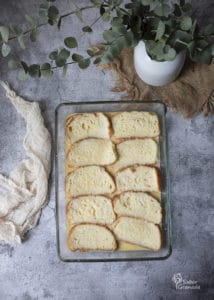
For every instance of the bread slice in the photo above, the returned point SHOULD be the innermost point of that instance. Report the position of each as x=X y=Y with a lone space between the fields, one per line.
x=138 y=232
x=138 y=179
x=138 y=205
x=92 y=152
x=86 y=237
x=135 y=124
x=136 y=151
x=91 y=209
x=81 y=126
x=90 y=180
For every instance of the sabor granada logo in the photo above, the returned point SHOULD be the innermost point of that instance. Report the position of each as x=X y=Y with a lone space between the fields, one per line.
x=184 y=284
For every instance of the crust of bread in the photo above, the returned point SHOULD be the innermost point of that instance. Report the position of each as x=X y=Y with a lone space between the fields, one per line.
x=70 y=246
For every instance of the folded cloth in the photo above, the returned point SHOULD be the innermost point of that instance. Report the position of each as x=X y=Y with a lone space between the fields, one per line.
x=24 y=193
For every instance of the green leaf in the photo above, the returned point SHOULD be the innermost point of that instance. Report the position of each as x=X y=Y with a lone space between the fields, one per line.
x=76 y=57
x=44 y=6
x=16 y=29
x=187 y=8
x=5 y=50
x=186 y=23
x=106 y=17
x=33 y=34
x=110 y=35
x=83 y=64
x=116 y=22
x=53 y=14
x=64 y=54
x=147 y=2
x=170 y=55
x=24 y=66
x=70 y=42
x=60 y=62
x=46 y=66
x=90 y=52
x=12 y=64
x=163 y=10
x=34 y=22
x=4 y=33
x=34 y=70
x=79 y=15
x=64 y=70
x=22 y=75
x=87 y=29
x=209 y=30
x=53 y=55
x=46 y=70
x=21 y=41
x=160 y=30
x=177 y=10
x=102 y=10
x=97 y=60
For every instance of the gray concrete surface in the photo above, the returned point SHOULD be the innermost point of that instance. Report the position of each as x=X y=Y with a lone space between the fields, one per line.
x=33 y=270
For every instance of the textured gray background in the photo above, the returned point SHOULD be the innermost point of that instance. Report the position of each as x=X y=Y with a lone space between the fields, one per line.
x=33 y=270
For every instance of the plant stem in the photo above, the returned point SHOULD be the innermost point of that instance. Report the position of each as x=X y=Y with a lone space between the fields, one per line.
x=43 y=24
x=76 y=10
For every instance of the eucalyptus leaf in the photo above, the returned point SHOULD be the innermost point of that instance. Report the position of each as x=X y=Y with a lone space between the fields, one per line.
x=106 y=17
x=33 y=34
x=87 y=29
x=64 y=70
x=4 y=33
x=46 y=73
x=53 y=14
x=22 y=75
x=97 y=60
x=70 y=42
x=21 y=41
x=186 y=23
x=187 y=8
x=209 y=30
x=63 y=54
x=16 y=29
x=60 y=62
x=83 y=64
x=163 y=10
x=170 y=55
x=53 y=55
x=13 y=64
x=24 y=66
x=160 y=30
x=77 y=58
x=5 y=50
x=34 y=22
x=46 y=66
x=34 y=70
x=147 y=2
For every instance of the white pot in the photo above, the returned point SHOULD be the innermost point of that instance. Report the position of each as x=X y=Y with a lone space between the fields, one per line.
x=153 y=72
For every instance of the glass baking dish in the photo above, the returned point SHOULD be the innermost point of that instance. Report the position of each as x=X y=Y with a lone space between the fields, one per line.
x=62 y=111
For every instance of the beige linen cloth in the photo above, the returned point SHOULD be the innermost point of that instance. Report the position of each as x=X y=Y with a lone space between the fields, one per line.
x=24 y=193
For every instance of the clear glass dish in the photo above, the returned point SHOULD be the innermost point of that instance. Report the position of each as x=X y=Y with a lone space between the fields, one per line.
x=62 y=111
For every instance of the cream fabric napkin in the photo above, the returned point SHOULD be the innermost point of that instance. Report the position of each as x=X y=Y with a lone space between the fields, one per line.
x=24 y=193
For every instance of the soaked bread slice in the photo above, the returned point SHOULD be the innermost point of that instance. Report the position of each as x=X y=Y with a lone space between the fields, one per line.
x=90 y=180
x=138 y=205
x=137 y=232
x=138 y=179
x=136 y=151
x=81 y=126
x=92 y=152
x=135 y=124
x=86 y=237
x=91 y=209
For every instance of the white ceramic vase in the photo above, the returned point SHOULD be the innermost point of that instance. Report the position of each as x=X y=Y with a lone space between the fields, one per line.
x=153 y=72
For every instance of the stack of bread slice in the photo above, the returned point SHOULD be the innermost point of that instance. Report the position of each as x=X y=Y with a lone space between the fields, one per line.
x=112 y=176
